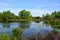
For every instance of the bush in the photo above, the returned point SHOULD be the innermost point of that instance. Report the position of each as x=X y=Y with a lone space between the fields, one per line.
x=5 y=37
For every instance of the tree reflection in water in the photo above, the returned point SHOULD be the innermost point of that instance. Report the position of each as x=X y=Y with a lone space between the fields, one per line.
x=6 y=25
x=24 y=24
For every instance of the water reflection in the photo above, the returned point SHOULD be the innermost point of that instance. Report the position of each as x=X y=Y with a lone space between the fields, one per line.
x=6 y=25
x=24 y=25
x=30 y=28
x=32 y=32
x=53 y=24
x=56 y=26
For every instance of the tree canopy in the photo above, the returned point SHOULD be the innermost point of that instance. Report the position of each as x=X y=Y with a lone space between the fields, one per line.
x=26 y=15
x=9 y=16
x=54 y=15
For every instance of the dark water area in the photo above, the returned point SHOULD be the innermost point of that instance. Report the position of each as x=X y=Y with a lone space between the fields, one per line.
x=31 y=28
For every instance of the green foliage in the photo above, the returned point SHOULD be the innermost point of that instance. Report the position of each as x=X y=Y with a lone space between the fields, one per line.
x=36 y=19
x=53 y=19
x=9 y=16
x=54 y=15
x=5 y=37
x=1 y=16
x=17 y=33
x=25 y=15
x=47 y=16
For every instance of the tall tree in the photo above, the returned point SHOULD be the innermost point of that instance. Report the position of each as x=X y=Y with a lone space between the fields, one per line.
x=7 y=15
x=26 y=15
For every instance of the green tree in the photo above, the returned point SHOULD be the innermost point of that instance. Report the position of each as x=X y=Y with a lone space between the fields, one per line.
x=43 y=16
x=7 y=15
x=53 y=15
x=25 y=15
x=47 y=16
x=58 y=15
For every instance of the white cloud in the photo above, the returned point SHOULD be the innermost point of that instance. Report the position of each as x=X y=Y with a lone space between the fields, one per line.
x=34 y=12
x=37 y=12
x=13 y=10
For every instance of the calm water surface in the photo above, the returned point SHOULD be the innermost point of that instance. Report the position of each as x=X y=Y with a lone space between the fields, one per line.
x=29 y=28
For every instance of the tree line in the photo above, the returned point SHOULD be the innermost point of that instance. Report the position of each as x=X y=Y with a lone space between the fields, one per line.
x=9 y=16
x=53 y=19
x=54 y=15
x=25 y=15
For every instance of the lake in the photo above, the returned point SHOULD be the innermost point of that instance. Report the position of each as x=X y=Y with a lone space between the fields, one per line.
x=30 y=28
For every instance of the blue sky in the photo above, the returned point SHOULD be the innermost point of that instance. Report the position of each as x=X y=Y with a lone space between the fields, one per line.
x=36 y=7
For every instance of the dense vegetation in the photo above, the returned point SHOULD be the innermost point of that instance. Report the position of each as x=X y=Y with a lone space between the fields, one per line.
x=17 y=33
x=25 y=15
x=54 y=16
x=7 y=16
x=36 y=19
x=53 y=19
